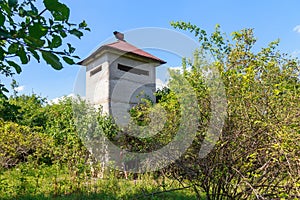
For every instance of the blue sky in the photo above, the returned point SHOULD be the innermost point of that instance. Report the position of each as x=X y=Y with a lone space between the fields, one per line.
x=271 y=19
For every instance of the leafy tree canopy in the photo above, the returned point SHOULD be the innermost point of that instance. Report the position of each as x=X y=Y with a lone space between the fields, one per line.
x=257 y=153
x=29 y=32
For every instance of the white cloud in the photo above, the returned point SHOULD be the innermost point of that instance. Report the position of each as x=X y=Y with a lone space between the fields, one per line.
x=20 y=88
x=58 y=99
x=179 y=68
x=295 y=53
x=160 y=84
x=176 y=68
x=297 y=29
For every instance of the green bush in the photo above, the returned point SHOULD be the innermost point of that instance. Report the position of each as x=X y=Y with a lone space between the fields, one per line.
x=257 y=154
x=25 y=110
x=18 y=143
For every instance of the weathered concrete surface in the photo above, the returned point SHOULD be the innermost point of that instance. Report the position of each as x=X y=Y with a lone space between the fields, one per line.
x=116 y=89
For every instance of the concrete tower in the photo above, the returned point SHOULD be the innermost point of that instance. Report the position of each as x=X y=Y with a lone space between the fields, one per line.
x=118 y=75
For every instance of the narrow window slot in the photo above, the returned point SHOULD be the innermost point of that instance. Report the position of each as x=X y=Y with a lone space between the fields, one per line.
x=95 y=71
x=132 y=70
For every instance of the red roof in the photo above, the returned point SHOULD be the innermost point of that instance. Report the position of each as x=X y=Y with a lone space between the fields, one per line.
x=127 y=48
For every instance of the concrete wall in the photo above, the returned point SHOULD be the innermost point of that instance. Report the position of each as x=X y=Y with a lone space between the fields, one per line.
x=97 y=85
x=127 y=88
x=116 y=90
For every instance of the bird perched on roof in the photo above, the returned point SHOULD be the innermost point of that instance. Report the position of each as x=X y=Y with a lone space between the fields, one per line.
x=118 y=35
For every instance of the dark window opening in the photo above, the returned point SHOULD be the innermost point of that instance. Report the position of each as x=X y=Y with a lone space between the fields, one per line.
x=95 y=71
x=133 y=70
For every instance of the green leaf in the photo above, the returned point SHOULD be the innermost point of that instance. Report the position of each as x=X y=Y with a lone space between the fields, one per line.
x=277 y=92
x=51 y=4
x=52 y=60
x=71 y=49
x=22 y=55
x=77 y=33
x=22 y=12
x=3 y=89
x=34 y=42
x=59 y=11
x=35 y=54
x=51 y=22
x=83 y=24
x=56 y=42
x=62 y=14
x=13 y=48
x=15 y=65
x=2 y=53
x=77 y=57
x=4 y=34
x=2 y=19
x=33 y=8
x=12 y=3
x=37 y=30
x=63 y=34
x=68 y=60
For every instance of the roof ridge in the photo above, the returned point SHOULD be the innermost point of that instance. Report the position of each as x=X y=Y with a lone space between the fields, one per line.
x=132 y=49
x=124 y=46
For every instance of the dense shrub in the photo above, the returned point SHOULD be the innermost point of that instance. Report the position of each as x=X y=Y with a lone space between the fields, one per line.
x=258 y=151
x=20 y=143
x=255 y=157
x=25 y=110
x=46 y=133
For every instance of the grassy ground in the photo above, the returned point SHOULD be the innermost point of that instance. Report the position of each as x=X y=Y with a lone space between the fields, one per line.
x=167 y=196
x=29 y=183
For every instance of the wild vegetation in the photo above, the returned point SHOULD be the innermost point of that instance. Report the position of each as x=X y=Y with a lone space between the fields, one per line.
x=42 y=157
x=257 y=155
x=43 y=154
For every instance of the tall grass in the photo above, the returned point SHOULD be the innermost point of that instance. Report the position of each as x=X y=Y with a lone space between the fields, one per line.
x=27 y=181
